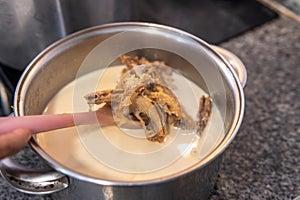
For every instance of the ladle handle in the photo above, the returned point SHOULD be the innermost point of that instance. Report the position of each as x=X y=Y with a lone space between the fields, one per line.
x=36 y=123
x=43 y=123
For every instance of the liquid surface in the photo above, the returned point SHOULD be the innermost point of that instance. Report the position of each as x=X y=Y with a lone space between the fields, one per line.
x=118 y=154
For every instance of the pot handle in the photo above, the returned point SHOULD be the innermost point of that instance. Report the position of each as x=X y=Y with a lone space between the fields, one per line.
x=235 y=62
x=31 y=181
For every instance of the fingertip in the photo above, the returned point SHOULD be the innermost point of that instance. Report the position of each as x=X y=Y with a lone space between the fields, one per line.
x=11 y=143
x=22 y=134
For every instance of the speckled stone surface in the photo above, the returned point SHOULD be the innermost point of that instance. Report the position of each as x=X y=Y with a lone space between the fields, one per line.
x=263 y=162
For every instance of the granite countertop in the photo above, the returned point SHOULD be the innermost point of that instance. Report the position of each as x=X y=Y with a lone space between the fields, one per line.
x=263 y=162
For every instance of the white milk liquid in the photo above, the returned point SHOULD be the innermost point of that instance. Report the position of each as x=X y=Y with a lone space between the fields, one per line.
x=116 y=154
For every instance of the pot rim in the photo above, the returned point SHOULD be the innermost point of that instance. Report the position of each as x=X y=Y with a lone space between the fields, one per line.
x=82 y=35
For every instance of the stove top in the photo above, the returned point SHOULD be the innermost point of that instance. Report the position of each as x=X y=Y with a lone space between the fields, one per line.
x=215 y=21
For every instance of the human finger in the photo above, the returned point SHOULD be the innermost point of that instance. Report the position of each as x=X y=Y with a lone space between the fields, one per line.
x=14 y=141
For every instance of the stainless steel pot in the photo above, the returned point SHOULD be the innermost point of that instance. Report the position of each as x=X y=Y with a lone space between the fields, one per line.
x=59 y=64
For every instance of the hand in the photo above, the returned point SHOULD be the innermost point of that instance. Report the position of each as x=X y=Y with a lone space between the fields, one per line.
x=15 y=132
x=12 y=142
